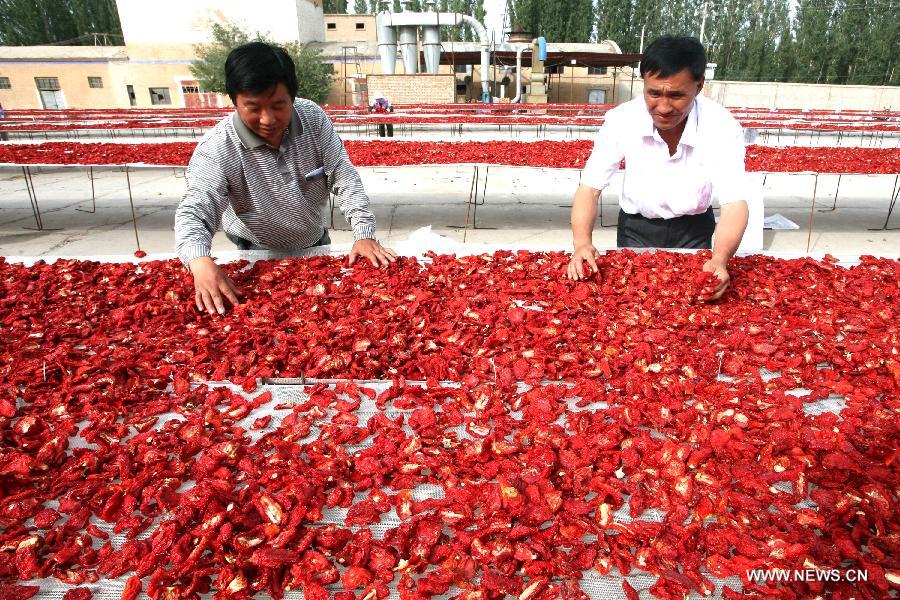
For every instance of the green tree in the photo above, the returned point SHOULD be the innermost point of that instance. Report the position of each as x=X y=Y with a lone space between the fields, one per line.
x=823 y=41
x=786 y=52
x=313 y=76
x=361 y=7
x=335 y=7
x=74 y=22
x=814 y=39
x=464 y=32
x=615 y=23
x=558 y=21
x=863 y=59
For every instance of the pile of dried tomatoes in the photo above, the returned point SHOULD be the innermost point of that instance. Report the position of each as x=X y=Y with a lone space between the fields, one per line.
x=615 y=425
x=542 y=154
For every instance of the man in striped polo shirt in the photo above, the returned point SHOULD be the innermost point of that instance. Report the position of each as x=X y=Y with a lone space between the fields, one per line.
x=264 y=173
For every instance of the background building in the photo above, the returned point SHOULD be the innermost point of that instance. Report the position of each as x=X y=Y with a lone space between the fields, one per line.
x=153 y=66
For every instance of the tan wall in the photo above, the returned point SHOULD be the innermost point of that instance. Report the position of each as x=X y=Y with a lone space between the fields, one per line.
x=345 y=28
x=116 y=76
x=413 y=89
x=804 y=95
x=72 y=79
x=574 y=85
x=144 y=76
x=144 y=53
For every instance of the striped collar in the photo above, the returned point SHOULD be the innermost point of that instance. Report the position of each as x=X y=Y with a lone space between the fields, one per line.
x=250 y=140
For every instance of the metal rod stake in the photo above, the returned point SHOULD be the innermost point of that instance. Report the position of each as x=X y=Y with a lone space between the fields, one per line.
x=895 y=192
x=812 y=213
x=93 y=194
x=29 y=187
x=131 y=201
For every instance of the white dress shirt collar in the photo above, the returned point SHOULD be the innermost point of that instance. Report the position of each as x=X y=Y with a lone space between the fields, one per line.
x=709 y=160
x=689 y=135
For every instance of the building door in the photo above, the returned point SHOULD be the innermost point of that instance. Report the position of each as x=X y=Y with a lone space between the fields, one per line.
x=597 y=96
x=132 y=98
x=190 y=91
x=52 y=99
x=50 y=92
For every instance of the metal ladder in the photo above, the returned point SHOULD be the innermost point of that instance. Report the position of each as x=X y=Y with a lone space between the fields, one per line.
x=350 y=57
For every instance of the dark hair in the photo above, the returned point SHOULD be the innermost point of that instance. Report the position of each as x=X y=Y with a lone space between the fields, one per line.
x=257 y=67
x=671 y=54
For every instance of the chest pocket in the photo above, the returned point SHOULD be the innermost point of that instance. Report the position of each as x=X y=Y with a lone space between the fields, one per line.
x=315 y=189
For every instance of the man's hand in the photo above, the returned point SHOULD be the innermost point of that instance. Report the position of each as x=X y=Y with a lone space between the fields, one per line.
x=377 y=254
x=584 y=213
x=585 y=253
x=212 y=286
x=718 y=267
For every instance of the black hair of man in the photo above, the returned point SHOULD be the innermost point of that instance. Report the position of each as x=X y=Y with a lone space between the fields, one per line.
x=257 y=67
x=669 y=55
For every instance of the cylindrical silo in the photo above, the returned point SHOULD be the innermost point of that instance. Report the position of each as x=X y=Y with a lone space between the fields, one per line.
x=409 y=49
x=387 y=43
x=431 y=47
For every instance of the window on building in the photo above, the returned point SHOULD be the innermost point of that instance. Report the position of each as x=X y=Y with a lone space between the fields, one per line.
x=5 y=84
x=160 y=95
x=190 y=89
x=555 y=69
x=460 y=68
x=360 y=25
x=596 y=70
x=47 y=84
x=95 y=82
x=331 y=26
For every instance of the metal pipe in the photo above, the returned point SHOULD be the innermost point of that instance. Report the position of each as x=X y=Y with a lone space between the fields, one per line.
x=519 y=52
x=485 y=54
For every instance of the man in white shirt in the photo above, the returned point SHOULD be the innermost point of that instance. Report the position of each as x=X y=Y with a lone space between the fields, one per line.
x=680 y=149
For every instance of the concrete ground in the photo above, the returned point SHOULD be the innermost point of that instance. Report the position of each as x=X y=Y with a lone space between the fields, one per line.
x=522 y=207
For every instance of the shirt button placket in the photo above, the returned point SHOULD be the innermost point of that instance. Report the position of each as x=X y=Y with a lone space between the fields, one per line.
x=283 y=167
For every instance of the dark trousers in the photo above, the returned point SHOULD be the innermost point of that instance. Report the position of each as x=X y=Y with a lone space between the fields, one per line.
x=689 y=231
x=243 y=244
x=386 y=129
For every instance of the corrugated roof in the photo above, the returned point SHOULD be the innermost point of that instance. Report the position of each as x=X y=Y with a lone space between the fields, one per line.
x=604 y=54
x=582 y=59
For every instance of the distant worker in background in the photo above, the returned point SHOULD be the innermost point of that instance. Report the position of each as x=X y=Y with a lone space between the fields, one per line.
x=3 y=135
x=381 y=105
x=680 y=150
x=264 y=174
